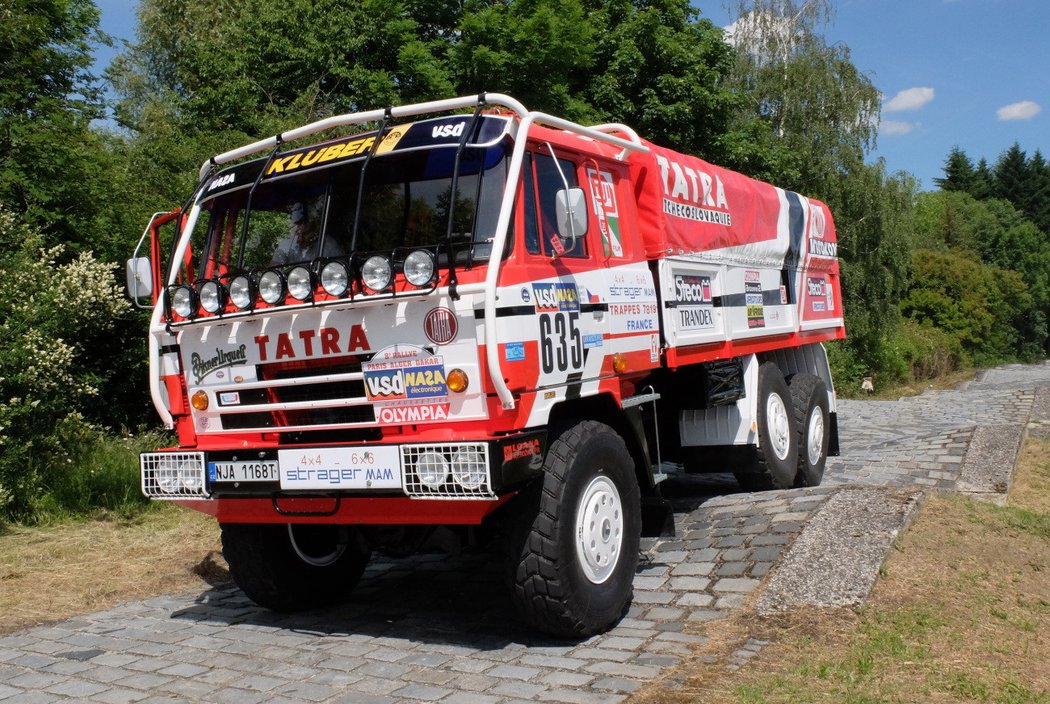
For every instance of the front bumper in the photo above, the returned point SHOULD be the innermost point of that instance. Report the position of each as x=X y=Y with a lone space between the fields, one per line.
x=479 y=470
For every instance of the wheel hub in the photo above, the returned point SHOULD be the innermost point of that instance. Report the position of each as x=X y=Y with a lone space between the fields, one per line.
x=815 y=436
x=599 y=529
x=779 y=426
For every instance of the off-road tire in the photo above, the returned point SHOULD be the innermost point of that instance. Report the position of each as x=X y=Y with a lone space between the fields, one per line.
x=809 y=397
x=266 y=565
x=776 y=457
x=562 y=588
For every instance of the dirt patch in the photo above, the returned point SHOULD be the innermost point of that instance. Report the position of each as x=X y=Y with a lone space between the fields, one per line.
x=52 y=573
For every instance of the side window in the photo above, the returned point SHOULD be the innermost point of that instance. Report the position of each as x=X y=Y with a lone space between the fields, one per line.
x=543 y=179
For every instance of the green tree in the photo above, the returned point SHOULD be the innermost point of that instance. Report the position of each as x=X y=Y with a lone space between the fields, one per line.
x=983 y=181
x=49 y=158
x=1011 y=175
x=822 y=111
x=52 y=315
x=958 y=173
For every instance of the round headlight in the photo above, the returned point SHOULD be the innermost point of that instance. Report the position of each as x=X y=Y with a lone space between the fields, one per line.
x=167 y=477
x=376 y=272
x=300 y=283
x=241 y=292
x=189 y=477
x=419 y=268
x=210 y=296
x=468 y=468
x=335 y=279
x=271 y=287
x=432 y=468
x=182 y=301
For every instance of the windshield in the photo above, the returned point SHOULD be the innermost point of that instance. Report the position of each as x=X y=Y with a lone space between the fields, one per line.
x=405 y=204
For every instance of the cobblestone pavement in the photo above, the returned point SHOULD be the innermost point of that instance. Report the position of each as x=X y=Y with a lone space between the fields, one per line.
x=434 y=628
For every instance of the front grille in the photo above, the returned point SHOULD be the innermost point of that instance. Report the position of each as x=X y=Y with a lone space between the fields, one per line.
x=297 y=395
x=298 y=418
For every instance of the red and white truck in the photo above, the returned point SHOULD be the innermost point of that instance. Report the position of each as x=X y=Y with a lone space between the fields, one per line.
x=472 y=319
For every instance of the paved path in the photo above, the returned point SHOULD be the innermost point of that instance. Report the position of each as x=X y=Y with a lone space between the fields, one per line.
x=435 y=629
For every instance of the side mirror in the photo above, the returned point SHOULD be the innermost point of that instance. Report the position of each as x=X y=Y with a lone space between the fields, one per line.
x=572 y=213
x=140 y=280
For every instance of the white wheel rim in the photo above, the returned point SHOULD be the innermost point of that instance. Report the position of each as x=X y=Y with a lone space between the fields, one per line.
x=815 y=436
x=315 y=560
x=779 y=426
x=599 y=529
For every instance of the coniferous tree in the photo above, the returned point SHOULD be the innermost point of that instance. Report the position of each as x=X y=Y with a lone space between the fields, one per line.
x=983 y=181
x=958 y=173
x=1037 y=192
x=1011 y=175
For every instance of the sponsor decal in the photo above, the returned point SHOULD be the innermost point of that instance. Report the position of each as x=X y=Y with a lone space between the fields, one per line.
x=310 y=343
x=441 y=326
x=756 y=317
x=556 y=297
x=603 y=196
x=692 y=289
x=201 y=367
x=343 y=467
x=693 y=318
x=229 y=398
x=407 y=384
x=221 y=181
x=817 y=223
x=420 y=381
x=514 y=352
x=592 y=341
x=692 y=194
x=783 y=295
x=815 y=287
x=820 y=248
x=526 y=297
x=455 y=130
x=818 y=306
x=654 y=348
x=398 y=415
x=321 y=154
x=524 y=448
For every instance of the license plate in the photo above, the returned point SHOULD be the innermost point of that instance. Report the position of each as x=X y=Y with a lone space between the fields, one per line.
x=242 y=471
x=374 y=467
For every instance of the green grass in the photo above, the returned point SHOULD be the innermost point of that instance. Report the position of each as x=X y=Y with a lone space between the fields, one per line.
x=101 y=479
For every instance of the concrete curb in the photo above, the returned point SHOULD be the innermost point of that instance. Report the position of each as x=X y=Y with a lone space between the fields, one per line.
x=837 y=557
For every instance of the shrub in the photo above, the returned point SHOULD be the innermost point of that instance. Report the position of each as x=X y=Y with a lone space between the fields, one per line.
x=52 y=312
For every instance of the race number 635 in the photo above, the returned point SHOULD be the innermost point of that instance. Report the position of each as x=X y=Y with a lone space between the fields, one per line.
x=561 y=344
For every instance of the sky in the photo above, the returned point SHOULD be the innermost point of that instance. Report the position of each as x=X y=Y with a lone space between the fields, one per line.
x=973 y=74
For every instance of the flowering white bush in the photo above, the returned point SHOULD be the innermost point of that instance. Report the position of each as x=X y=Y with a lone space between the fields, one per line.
x=50 y=310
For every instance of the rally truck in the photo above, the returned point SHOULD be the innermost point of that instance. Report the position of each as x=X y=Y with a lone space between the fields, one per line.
x=465 y=321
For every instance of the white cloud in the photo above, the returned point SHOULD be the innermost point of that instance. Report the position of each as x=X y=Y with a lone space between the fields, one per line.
x=909 y=99
x=892 y=128
x=1024 y=110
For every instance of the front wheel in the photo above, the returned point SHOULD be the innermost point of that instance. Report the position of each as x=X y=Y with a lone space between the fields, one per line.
x=291 y=567
x=574 y=556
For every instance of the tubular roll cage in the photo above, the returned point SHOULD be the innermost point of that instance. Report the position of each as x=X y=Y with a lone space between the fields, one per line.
x=606 y=133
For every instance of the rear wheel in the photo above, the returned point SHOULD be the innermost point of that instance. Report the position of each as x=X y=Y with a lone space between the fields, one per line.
x=776 y=457
x=809 y=399
x=289 y=567
x=575 y=550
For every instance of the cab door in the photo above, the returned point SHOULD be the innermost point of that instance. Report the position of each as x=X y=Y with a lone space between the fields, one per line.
x=569 y=317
